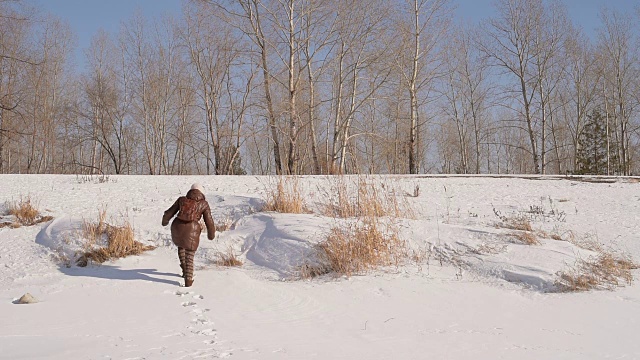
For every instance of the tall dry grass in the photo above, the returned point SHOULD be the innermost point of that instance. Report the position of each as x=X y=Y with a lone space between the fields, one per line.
x=25 y=213
x=607 y=269
x=120 y=241
x=285 y=196
x=93 y=231
x=227 y=258
x=603 y=271
x=526 y=238
x=371 y=199
x=363 y=246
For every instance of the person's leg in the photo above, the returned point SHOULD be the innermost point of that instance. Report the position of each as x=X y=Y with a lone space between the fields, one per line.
x=181 y=256
x=188 y=274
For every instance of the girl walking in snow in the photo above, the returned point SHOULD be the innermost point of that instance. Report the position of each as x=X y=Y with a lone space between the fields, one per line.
x=186 y=228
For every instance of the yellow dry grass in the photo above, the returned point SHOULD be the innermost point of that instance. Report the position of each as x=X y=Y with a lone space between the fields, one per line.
x=604 y=271
x=120 y=241
x=371 y=200
x=227 y=258
x=25 y=213
x=526 y=237
x=361 y=247
x=285 y=196
x=491 y=248
x=518 y=223
x=93 y=231
x=10 y=224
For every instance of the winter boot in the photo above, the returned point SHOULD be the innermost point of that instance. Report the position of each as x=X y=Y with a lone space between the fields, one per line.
x=188 y=267
x=181 y=256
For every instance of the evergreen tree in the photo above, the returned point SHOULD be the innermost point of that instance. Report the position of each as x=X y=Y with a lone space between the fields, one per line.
x=592 y=151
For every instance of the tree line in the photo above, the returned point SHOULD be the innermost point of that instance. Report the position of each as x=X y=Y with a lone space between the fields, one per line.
x=323 y=87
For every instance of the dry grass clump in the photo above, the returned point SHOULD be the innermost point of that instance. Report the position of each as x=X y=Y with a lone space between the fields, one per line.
x=371 y=200
x=363 y=246
x=604 y=271
x=588 y=241
x=228 y=258
x=224 y=225
x=310 y=270
x=420 y=255
x=526 y=237
x=556 y=237
x=285 y=197
x=25 y=213
x=491 y=248
x=93 y=231
x=518 y=223
x=10 y=224
x=120 y=241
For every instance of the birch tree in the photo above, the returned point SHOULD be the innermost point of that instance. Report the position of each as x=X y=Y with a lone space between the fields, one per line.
x=424 y=29
x=510 y=45
x=616 y=41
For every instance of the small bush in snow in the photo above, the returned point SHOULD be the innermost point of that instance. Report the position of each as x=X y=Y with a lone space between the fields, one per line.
x=227 y=258
x=106 y=242
x=526 y=237
x=606 y=270
x=363 y=246
x=24 y=213
x=93 y=231
x=588 y=241
x=516 y=222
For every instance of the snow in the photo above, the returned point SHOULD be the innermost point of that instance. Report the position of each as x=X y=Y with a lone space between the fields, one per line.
x=461 y=302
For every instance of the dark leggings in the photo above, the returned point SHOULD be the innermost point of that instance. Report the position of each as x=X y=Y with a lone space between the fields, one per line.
x=186 y=262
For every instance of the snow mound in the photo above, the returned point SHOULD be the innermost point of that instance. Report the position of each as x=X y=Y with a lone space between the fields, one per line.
x=279 y=242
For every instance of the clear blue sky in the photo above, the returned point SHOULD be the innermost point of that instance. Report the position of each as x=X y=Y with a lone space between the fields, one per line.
x=87 y=16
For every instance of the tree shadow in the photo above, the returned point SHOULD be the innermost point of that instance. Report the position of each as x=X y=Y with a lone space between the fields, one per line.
x=116 y=273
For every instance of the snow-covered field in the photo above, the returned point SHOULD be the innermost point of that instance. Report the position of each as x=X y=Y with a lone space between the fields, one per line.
x=479 y=295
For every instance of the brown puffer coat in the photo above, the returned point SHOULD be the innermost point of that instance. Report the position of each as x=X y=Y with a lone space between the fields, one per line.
x=186 y=234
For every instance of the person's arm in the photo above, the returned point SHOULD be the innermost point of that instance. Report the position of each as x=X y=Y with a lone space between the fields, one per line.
x=208 y=221
x=171 y=212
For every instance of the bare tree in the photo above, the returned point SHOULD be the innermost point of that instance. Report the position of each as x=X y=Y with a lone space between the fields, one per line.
x=153 y=58
x=358 y=52
x=581 y=86
x=423 y=31
x=510 y=43
x=317 y=38
x=465 y=91
x=108 y=98
x=213 y=51
x=616 y=42
x=16 y=56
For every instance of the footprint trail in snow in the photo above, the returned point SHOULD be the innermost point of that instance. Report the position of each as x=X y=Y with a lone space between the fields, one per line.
x=202 y=325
